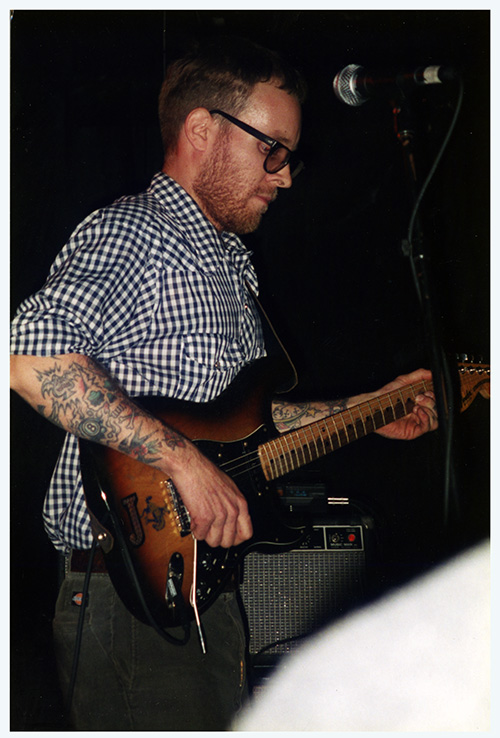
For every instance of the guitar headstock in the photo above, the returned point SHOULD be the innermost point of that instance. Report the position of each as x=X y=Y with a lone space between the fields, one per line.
x=474 y=379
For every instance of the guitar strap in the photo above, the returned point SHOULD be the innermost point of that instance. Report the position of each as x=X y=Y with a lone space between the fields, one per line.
x=275 y=348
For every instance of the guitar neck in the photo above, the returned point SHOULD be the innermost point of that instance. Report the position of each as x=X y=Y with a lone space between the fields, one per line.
x=294 y=449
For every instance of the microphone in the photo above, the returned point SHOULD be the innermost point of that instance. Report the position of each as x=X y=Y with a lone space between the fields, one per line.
x=354 y=85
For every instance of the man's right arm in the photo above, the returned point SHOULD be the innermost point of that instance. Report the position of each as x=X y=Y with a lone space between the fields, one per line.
x=77 y=394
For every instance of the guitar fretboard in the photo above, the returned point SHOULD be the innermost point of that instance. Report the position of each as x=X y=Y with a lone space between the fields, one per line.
x=292 y=450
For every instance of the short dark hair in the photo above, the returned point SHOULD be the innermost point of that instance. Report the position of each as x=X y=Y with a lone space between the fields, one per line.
x=221 y=73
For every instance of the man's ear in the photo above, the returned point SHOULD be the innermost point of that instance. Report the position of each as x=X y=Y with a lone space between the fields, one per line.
x=199 y=128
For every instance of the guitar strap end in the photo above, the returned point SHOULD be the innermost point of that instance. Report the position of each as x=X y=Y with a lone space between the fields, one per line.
x=100 y=533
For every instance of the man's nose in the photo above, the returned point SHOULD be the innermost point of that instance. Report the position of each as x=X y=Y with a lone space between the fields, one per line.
x=282 y=178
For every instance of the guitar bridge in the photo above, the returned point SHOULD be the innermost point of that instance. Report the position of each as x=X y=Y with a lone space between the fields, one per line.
x=181 y=514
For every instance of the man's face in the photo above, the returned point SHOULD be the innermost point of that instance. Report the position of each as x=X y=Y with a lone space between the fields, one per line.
x=232 y=187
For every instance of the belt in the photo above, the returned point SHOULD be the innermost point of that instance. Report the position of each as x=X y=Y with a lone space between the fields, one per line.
x=78 y=561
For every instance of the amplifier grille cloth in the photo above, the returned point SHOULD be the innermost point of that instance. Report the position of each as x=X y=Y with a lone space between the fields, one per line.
x=292 y=594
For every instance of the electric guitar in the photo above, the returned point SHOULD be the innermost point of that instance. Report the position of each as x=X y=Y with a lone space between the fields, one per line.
x=144 y=526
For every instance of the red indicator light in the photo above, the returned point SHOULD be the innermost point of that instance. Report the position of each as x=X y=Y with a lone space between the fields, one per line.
x=351 y=537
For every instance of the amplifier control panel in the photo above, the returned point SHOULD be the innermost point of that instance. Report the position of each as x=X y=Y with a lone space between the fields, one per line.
x=334 y=538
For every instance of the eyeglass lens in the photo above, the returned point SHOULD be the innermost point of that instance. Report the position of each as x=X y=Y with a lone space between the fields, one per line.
x=279 y=158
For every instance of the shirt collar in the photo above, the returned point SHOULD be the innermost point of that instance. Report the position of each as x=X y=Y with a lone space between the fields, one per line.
x=209 y=245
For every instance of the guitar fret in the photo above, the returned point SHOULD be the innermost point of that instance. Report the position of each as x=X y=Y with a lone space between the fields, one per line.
x=299 y=451
x=393 y=411
x=311 y=445
x=281 y=454
x=378 y=416
x=358 y=425
x=389 y=416
x=299 y=447
x=304 y=446
x=405 y=406
x=278 y=459
x=353 y=425
x=343 y=434
x=315 y=441
x=324 y=437
x=289 y=454
x=351 y=430
x=337 y=437
x=278 y=471
x=360 y=421
x=267 y=465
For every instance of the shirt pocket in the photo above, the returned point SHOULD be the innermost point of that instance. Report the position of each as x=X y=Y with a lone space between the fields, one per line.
x=214 y=352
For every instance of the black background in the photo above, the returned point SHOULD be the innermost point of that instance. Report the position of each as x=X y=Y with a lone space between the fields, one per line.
x=333 y=275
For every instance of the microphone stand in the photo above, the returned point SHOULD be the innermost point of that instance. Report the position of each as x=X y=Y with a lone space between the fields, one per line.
x=417 y=252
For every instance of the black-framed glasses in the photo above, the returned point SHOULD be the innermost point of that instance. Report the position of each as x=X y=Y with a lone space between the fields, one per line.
x=278 y=155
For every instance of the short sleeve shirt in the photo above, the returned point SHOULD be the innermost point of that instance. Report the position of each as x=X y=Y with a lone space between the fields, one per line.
x=151 y=290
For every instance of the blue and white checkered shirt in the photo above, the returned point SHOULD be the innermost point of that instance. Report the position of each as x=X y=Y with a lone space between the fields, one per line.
x=152 y=291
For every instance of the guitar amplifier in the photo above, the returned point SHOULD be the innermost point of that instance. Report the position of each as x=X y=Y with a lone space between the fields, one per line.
x=290 y=595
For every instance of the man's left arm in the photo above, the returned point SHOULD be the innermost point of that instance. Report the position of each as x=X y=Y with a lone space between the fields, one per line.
x=423 y=418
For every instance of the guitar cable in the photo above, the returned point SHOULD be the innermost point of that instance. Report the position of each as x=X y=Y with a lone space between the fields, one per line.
x=85 y=595
x=79 y=629
x=192 y=596
x=137 y=587
x=91 y=480
x=81 y=622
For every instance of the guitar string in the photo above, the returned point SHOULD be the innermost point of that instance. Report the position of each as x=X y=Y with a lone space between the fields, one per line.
x=250 y=461
x=244 y=463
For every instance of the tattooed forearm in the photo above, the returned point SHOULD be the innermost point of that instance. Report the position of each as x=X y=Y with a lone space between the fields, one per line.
x=287 y=415
x=148 y=448
x=141 y=447
x=81 y=397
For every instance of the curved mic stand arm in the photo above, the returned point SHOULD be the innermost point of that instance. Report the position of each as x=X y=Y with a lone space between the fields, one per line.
x=416 y=249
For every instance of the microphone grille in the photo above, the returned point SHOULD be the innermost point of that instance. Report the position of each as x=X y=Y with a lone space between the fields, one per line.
x=344 y=85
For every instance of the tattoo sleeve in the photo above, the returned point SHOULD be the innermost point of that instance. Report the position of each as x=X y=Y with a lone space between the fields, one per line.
x=82 y=398
x=287 y=415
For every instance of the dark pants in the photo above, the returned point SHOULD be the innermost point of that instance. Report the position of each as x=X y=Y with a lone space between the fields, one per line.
x=129 y=678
